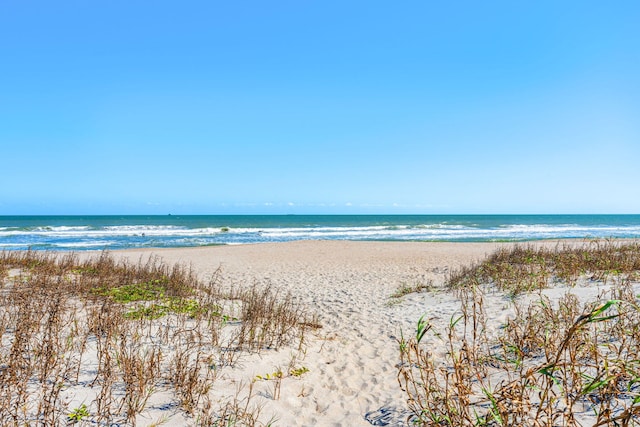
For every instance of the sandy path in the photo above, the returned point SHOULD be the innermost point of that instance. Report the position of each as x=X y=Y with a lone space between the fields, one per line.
x=351 y=360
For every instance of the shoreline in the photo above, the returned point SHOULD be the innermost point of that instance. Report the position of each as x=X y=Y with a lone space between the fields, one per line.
x=404 y=253
x=113 y=232
x=264 y=257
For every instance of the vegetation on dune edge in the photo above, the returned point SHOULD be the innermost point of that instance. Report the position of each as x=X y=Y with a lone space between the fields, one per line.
x=118 y=332
x=554 y=362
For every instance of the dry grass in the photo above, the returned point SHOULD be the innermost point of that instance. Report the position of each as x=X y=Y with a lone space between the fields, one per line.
x=553 y=363
x=407 y=289
x=530 y=267
x=124 y=331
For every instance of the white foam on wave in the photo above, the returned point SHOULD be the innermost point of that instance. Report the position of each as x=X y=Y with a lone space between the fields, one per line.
x=77 y=237
x=125 y=231
x=435 y=231
x=443 y=226
x=142 y=227
x=159 y=230
x=570 y=229
x=355 y=234
x=61 y=228
x=445 y=231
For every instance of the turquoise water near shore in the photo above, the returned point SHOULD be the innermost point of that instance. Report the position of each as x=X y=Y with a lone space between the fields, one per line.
x=138 y=231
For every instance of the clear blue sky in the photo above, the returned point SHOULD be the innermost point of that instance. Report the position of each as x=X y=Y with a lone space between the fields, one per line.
x=211 y=107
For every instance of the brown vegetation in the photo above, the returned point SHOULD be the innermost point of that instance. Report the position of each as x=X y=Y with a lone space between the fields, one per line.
x=562 y=362
x=122 y=331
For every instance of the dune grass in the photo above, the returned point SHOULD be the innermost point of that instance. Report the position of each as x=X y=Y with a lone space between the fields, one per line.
x=118 y=332
x=559 y=362
x=407 y=289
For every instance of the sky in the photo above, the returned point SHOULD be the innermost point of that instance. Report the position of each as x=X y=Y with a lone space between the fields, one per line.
x=252 y=107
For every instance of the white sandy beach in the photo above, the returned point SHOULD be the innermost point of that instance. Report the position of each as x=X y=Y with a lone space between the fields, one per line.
x=344 y=373
x=352 y=359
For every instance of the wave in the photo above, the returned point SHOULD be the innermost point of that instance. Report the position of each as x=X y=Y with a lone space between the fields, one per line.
x=86 y=237
x=128 y=230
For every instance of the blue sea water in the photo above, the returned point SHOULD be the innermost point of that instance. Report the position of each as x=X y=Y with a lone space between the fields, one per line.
x=121 y=232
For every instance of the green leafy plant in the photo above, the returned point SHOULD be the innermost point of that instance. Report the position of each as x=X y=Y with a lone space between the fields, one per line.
x=154 y=311
x=148 y=291
x=270 y=376
x=78 y=414
x=298 y=372
x=422 y=328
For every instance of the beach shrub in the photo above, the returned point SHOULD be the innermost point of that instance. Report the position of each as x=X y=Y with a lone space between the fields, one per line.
x=562 y=362
x=406 y=289
x=145 y=327
x=525 y=268
x=148 y=291
x=78 y=414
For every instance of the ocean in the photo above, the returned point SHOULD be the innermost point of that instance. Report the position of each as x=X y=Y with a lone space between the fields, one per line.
x=79 y=233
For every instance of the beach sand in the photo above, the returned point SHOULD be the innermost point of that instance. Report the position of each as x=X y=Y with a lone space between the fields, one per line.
x=343 y=373
x=351 y=360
